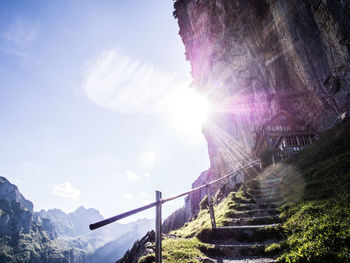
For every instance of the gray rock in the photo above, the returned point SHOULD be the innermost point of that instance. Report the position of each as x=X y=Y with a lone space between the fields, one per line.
x=255 y=57
x=10 y=193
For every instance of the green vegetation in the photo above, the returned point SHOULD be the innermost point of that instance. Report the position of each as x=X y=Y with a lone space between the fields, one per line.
x=318 y=231
x=182 y=245
x=202 y=223
x=316 y=191
x=179 y=250
x=31 y=247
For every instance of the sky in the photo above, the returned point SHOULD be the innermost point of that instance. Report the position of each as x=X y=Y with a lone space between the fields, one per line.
x=95 y=105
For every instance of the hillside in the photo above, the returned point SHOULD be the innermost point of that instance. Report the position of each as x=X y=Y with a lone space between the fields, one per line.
x=316 y=190
x=313 y=195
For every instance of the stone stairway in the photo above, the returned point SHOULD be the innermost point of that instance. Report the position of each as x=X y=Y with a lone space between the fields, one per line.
x=250 y=229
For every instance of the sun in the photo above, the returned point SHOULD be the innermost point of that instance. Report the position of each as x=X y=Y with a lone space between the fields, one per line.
x=189 y=110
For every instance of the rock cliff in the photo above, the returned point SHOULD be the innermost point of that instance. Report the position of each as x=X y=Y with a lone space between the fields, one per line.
x=16 y=211
x=252 y=58
x=255 y=57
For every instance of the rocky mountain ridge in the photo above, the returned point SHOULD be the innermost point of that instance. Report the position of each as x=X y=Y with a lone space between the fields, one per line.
x=54 y=236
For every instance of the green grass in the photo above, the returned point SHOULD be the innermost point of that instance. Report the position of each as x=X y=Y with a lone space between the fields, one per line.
x=183 y=245
x=316 y=207
x=316 y=193
x=317 y=231
x=179 y=250
x=222 y=211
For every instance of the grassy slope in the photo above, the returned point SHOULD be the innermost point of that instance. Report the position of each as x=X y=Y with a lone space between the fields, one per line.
x=317 y=194
x=184 y=245
x=316 y=211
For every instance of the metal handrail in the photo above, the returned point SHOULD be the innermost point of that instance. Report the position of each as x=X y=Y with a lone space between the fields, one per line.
x=159 y=201
x=142 y=208
x=121 y=216
x=212 y=182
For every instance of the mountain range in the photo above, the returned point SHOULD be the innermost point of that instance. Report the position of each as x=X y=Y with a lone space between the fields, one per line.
x=53 y=236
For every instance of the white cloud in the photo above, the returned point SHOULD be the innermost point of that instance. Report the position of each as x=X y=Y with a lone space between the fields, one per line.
x=128 y=196
x=124 y=84
x=147 y=175
x=132 y=176
x=66 y=190
x=118 y=82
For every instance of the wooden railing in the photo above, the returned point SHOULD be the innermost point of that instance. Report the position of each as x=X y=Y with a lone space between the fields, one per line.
x=159 y=202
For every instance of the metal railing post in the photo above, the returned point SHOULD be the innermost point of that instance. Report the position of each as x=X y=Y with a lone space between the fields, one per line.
x=158 y=204
x=211 y=209
x=158 y=234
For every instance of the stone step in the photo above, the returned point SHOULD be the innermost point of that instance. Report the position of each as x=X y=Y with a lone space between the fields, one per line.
x=267 y=198
x=268 y=204
x=249 y=201
x=272 y=175
x=247 y=227
x=254 y=206
x=237 y=250
x=234 y=234
x=253 y=212
x=267 y=195
x=264 y=191
x=271 y=180
x=272 y=201
x=270 y=183
x=264 y=187
x=240 y=260
x=253 y=220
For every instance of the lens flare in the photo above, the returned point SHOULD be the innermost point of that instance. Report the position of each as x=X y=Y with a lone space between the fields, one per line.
x=188 y=110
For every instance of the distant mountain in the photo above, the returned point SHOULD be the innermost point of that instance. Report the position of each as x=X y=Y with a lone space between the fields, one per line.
x=54 y=236
x=108 y=253
x=24 y=237
x=72 y=224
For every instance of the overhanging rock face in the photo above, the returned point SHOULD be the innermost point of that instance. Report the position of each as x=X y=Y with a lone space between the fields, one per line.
x=255 y=57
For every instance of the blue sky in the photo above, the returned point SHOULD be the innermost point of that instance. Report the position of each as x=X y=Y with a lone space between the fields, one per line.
x=95 y=108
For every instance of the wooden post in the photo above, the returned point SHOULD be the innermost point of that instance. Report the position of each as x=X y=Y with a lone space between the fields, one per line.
x=310 y=139
x=158 y=228
x=211 y=209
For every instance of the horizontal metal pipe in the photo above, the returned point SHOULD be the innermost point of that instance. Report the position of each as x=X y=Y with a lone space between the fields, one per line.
x=120 y=216
x=185 y=193
x=137 y=210
x=212 y=182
